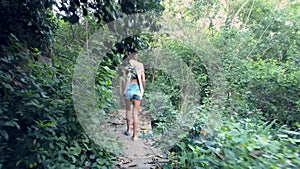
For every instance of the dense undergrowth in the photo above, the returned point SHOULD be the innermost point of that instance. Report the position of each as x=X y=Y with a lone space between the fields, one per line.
x=39 y=126
x=257 y=125
x=238 y=143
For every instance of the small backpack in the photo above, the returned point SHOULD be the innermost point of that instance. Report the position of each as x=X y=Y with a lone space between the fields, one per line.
x=131 y=71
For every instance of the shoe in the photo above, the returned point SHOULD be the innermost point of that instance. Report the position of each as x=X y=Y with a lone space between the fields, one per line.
x=126 y=133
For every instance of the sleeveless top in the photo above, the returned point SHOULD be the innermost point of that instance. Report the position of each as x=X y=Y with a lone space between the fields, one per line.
x=134 y=70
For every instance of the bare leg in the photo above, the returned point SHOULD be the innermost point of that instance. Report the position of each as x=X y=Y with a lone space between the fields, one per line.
x=136 y=107
x=127 y=115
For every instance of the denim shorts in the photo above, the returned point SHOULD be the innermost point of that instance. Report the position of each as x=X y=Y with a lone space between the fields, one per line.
x=133 y=92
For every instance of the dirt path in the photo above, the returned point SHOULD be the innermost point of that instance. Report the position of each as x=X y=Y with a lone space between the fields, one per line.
x=141 y=154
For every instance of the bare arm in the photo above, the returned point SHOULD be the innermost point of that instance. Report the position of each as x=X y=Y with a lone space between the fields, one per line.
x=143 y=80
x=123 y=82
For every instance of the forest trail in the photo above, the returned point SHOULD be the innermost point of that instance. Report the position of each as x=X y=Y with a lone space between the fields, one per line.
x=140 y=154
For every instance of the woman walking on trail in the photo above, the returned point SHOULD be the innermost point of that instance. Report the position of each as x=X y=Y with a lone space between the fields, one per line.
x=133 y=86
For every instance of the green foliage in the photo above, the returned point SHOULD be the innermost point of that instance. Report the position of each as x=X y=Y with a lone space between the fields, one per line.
x=262 y=64
x=163 y=112
x=31 y=22
x=103 y=87
x=240 y=143
x=39 y=127
x=192 y=60
x=259 y=126
x=139 y=6
x=275 y=89
x=254 y=11
x=106 y=11
x=268 y=85
x=166 y=90
x=204 y=9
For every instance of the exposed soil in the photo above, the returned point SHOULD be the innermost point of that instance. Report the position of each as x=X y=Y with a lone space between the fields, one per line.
x=141 y=154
